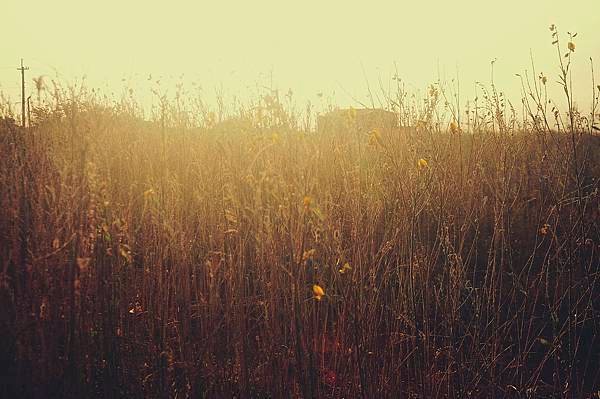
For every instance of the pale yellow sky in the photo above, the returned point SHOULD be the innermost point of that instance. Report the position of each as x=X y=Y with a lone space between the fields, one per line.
x=308 y=46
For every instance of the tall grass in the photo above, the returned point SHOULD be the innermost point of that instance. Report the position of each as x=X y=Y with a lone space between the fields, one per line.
x=177 y=258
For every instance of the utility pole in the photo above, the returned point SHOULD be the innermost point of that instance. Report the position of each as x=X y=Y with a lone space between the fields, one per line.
x=22 y=69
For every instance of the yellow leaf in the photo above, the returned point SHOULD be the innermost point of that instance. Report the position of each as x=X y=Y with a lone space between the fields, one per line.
x=422 y=163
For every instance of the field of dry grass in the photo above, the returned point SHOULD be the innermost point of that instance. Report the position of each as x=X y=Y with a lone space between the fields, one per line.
x=243 y=254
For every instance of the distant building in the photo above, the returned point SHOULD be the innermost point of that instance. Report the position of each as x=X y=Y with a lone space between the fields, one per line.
x=363 y=120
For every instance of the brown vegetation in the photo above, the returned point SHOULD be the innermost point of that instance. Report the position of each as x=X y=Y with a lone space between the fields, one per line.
x=155 y=260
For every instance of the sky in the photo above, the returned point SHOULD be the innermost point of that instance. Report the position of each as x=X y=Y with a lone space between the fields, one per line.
x=334 y=47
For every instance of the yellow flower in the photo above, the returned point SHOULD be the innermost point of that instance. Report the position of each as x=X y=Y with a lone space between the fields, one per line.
x=571 y=47
x=422 y=163
x=318 y=291
x=307 y=201
x=345 y=268
x=148 y=193
x=454 y=127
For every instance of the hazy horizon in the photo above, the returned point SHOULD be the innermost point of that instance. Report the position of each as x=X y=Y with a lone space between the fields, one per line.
x=310 y=48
